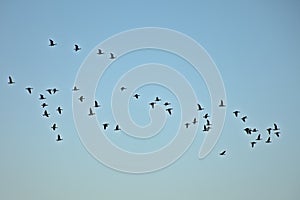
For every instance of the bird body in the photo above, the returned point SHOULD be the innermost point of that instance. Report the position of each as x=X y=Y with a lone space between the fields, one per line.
x=136 y=96
x=54 y=126
x=91 y=112
x=75 y=89
x=252 y=144
x=258 y=137
x=46 y=114
x=10 y=80
x=152 y=104
x=199 y=107
x=81 y=98
x=96 y=104
x=244 y=118
x=268 y=140
x=52 y=44
x=59 y=138
x=76 y=47
x=195 y=120
x=169 y=110
x=222 y=153
x=117 y=128
x=221 y=104
x=29 y=89
x=187 y=125
x=206 y=116
x=105 y=125
x=112 y=56
x=236 y=113
x=59 y=110
x=100 y=52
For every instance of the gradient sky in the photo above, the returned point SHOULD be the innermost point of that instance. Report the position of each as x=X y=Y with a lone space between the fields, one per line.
x=255 y=45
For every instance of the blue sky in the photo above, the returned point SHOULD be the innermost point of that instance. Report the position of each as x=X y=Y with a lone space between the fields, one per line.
x=255 y=45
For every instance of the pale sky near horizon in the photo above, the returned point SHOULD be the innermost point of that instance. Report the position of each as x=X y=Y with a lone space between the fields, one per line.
x=256 y=47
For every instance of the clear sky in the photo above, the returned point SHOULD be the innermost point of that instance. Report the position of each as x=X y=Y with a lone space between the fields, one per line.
x=256 y=47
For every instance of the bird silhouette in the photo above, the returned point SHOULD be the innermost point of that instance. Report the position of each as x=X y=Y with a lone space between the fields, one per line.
x=96 y=105
x=205 y=128
x=49 y=91
x=52 y=44
x=167 y=103
x=206 y=116
x=54 y=127
x=46 y=114
x=105 y=125
x=254 y=130
x=268 y=140
x=75 y=89
x=244 y=118
x=187 y=125
x=112 y=56
x=252 y=144
x=236 y=113
x=59 y=110
x=10 y=80
x=29 y=89
x=221 y=104
x=157 y=99
x=269 y=130
x=81 y=98
x=208 y=123
x=42 y=97
x=91 y=112
x=194 y=121
x=123 y=88
x=276 y=127
x=117 y=128
x=100 y=52
x=277 y=133
x=152 y=104
x=222 y=153
x=199 y=107
x=136 y=96
x=44 y=105
x=59 y=138
x=54 y=90
x=258 y=137
x=169 y=110
x=76 y=47
x=248 y=130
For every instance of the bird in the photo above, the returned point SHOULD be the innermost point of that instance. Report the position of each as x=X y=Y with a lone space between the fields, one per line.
x=52 y=43
x=258 y=137
x=248 y=130
x=44 y=105
x=157 y=99
x=268 y=140
x=252 y=144
x=206 y=116
x=167 y=103
x=208 y=123
x=276 y=127
x=29 y=89
x=49 y=91
x=123 y=88
x=136 y=96
x=81 y=98
x=46 y=114
x=91 y=112
x=169 y=110
x=254 y=130
x=42 y=97
x=54 y=90
x=96 y=105
x=10 y=80
x=205 y=128
x=199 y=107
x=221 y=104
x=112 y=56
x=59 y=110
x=76 y=47
x=277 y=133
x=236 y=113
x=75 y=89
x=59 y=138
x=244 y=118
x=117 y=128
x=194 y=121
x=269 y=130
x=187 y=125
x=54 y=126
x=152 y=104
x=222 y=153
x=100 y=52
x=105 y=125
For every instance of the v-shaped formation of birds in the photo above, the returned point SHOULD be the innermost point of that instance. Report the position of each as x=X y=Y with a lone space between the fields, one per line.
x=269 y=132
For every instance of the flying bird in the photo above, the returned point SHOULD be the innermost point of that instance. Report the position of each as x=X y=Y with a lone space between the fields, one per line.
x=49 y=91
x=187 y=125
x=91 y=112
x=157 y=99
x=205 y=128
x=199 y=107
x=248 y=131
x=277 y=133
x=117 y=128
x=136 y=96
x=55 y=90
x=167 y=103
x=222 y=153
x=46 y=114
x=81 y=98
x=194 y=121
x=42 y=97
x=269 y=130
x=208 y=123
x=123 y=88
x=268 y=140
x=152 y=104
x=105 y=125
x=10 y=80
x=244 y=118
x=255 y=130
x=59 y=110
x=76 y=47
x=206 y=116
x=29 y=89
x=96 y=105
x=100 y=52
x=112 y=56
x=221 y=104
x=52 y=43
x=236 y=113
x=258 y=137
x=75 y=89
x=276 y=127
x=169 y=110
x=252 y=144
x=44 y=105
x=59 y=138
x=54 y=126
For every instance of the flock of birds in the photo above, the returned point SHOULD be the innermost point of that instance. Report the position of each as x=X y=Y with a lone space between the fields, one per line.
x=168 y=108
